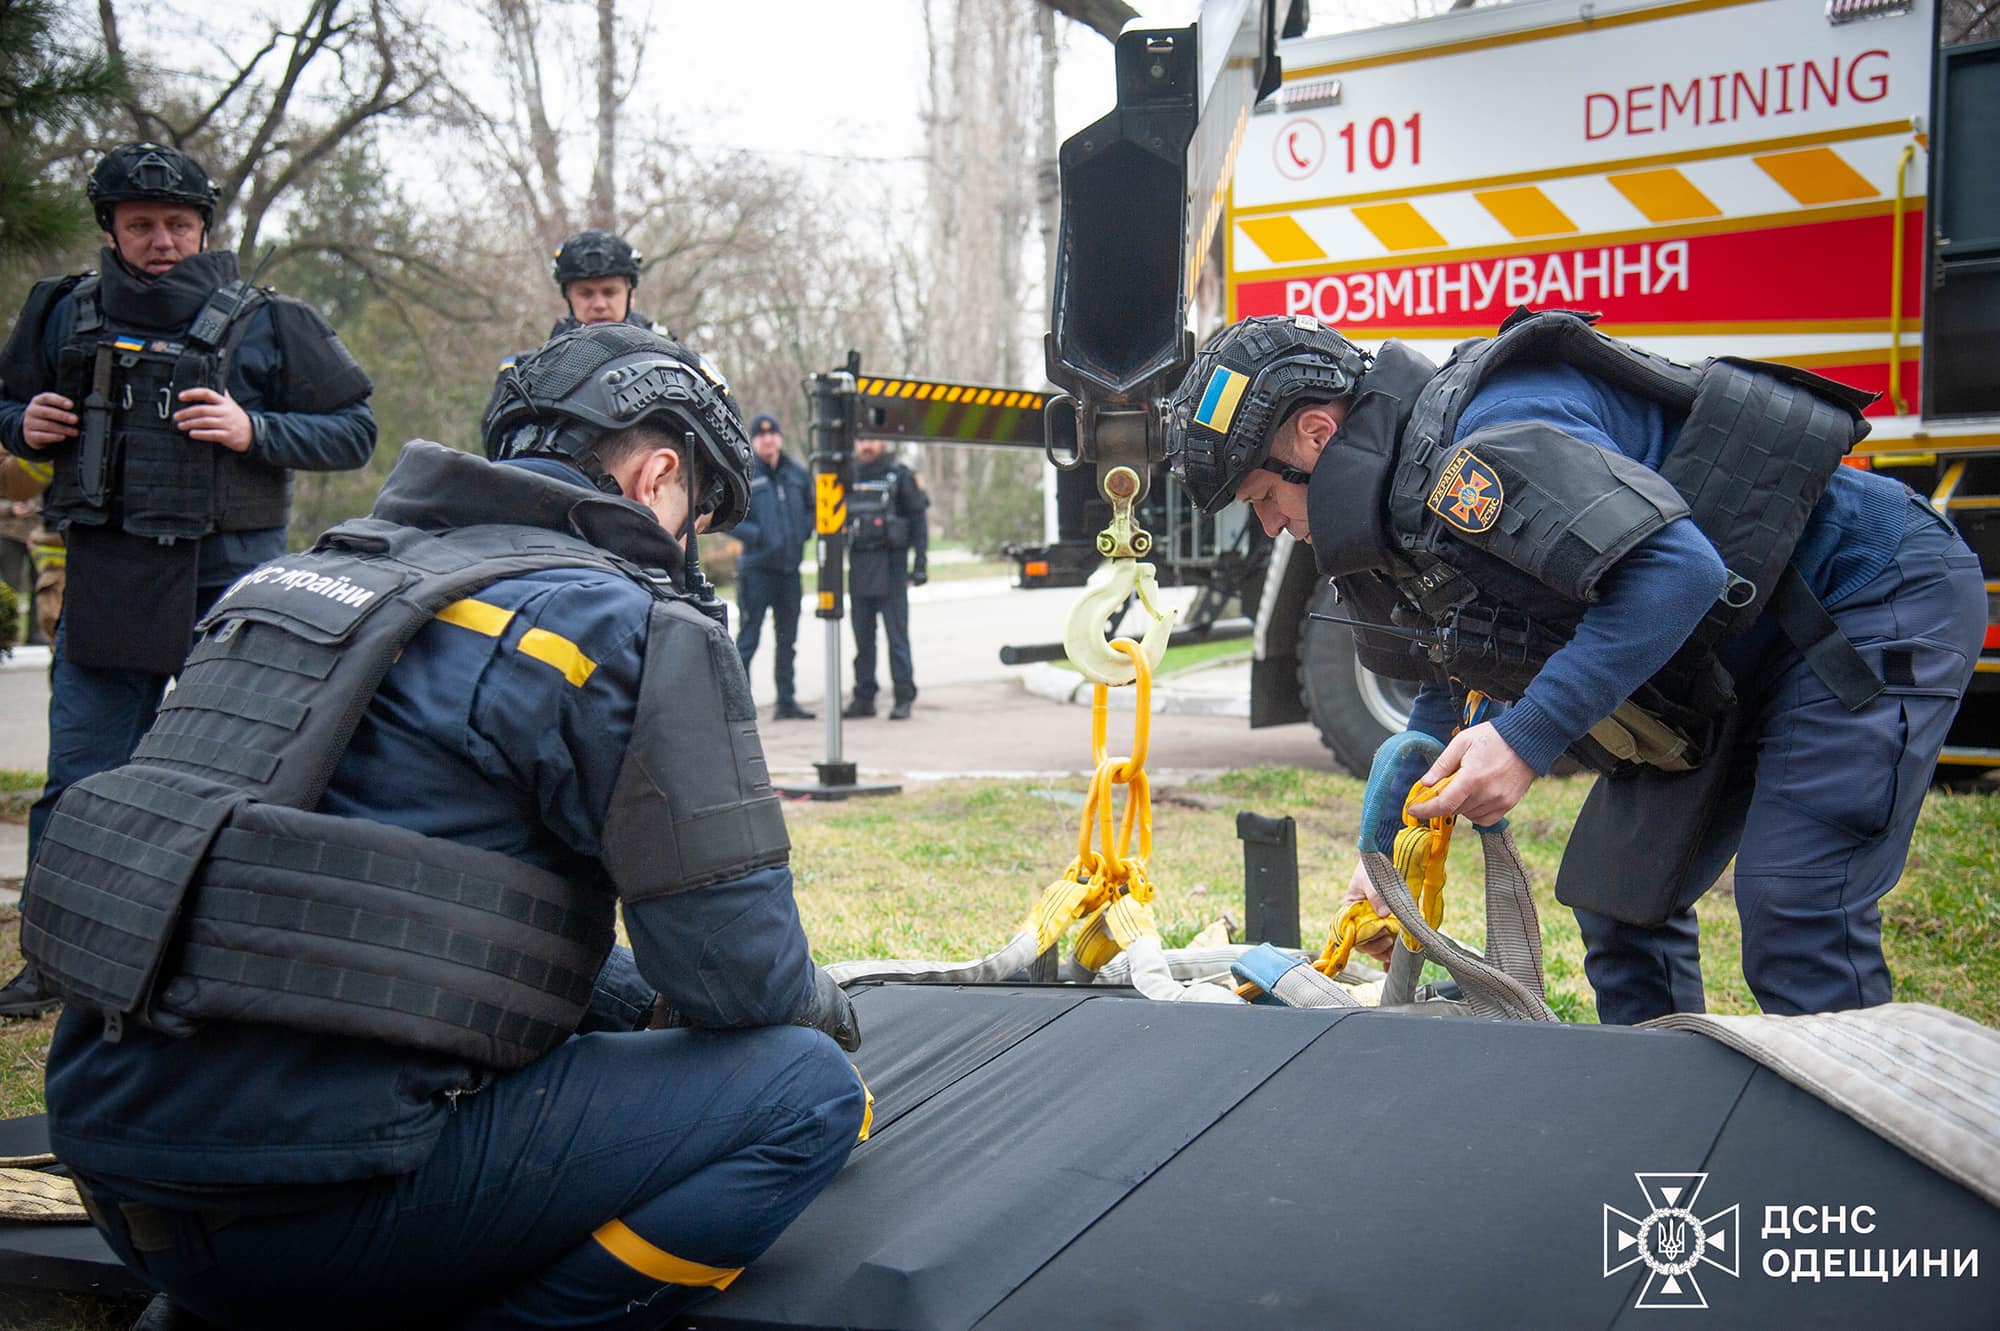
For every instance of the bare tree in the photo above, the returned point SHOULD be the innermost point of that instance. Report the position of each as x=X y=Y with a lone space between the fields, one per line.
x=1103 y=17
x=259 y=132
x=984 y=154
x=603 y=178
x=1968 y=21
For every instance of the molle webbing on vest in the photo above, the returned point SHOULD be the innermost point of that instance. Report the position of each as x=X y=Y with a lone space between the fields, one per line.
x=1753 y=458
x=110 y=879
x=292 y=654
x=350 y=927
x=195 y=884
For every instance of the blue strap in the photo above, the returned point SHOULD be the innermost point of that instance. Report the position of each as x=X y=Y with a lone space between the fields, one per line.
x=1263 y=966
x=1398 y=763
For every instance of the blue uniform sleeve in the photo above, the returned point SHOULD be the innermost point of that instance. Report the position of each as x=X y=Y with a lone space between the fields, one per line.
x=808 y=509
x=1648 y=602
x=337 y=440
x=13 y=410
x=727 y=956
x=750 y=531
x=917 y=504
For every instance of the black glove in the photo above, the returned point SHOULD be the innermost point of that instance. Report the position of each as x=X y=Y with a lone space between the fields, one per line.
x=830 y=1011
x=919 y=578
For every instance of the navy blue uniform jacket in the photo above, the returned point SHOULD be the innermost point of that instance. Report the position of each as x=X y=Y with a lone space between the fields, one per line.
x=780 y=520
x=472 y=739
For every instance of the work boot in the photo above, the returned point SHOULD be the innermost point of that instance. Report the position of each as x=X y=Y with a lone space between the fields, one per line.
x=791 y=711
x=163 y=1314
x=859 y=709
x=901 y=711
x=24 y=996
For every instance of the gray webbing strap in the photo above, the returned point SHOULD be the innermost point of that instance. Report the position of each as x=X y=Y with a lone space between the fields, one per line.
x=1513 y=928
x=1009 y=960
x=1923 y=1078
x=1489 y=990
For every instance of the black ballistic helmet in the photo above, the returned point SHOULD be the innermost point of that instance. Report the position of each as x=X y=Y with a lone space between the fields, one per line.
x=1245 y=382
x=151 y=171
x=560 y=400
x=594 y=254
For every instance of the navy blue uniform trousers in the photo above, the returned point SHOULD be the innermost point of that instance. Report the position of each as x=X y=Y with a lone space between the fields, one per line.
x=1821 y=806
x=759 y=590
x=894 y=611
x=612 y=1183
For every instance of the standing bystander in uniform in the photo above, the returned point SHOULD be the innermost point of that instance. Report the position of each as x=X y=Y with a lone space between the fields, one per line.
x=774 y=537
x=888 y=541
x=173 y=401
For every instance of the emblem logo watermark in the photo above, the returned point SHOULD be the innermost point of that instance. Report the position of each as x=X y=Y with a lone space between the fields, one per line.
x=1672 y=1239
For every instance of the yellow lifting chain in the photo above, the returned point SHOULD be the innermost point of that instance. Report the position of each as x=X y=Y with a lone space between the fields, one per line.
x=1106 y=885
x=1419 y=856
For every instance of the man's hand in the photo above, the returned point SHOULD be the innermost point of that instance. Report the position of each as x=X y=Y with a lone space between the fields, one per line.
x=1359 y=888
x=51 y=418
x=1490 y=777
x=216 y=419
x=831 y=1012
x=919 y=578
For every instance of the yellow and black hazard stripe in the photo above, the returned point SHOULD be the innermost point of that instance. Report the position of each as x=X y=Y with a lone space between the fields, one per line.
x=928 y=411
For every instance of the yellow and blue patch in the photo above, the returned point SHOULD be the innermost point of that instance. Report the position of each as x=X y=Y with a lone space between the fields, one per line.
x=1219 y=400
x=1468 y=493
x=129 y=343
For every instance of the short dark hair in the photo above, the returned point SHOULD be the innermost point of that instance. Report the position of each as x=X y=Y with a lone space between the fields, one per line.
x=614 y=447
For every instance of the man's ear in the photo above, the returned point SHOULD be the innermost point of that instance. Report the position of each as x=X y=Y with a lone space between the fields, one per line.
x=1314 y=425
x=661 y=468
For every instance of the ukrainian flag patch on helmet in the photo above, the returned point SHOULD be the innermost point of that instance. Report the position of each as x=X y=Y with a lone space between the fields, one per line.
x=1219 y=399
x=1468 y=494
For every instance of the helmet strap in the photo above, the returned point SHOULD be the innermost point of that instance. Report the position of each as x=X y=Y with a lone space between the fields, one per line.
x=695 y=582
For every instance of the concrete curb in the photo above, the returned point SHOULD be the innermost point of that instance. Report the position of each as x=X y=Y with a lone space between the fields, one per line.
x=1219 y=691
x=27 y=658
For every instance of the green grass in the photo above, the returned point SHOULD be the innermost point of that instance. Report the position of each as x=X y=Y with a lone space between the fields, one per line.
x=21 y=779
x=949 y=871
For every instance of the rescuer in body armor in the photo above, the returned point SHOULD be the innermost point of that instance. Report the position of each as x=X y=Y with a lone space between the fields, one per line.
x=1560 y=520
x=767 y=576
x=173 y=402
x=597 y=274
x=888 y=542
x=373 y=1108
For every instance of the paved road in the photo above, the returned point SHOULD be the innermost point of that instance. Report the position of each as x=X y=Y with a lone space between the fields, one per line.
x=973 y=715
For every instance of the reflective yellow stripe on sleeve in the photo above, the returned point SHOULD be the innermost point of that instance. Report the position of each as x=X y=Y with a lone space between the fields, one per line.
x=551 y=649
x=617 y=1238
x=478 y=616
x=555 y=650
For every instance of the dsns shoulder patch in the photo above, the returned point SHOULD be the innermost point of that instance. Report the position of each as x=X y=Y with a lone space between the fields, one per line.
x=1468 y=493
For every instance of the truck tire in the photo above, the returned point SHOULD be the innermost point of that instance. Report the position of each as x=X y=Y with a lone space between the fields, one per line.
x=1353 y=708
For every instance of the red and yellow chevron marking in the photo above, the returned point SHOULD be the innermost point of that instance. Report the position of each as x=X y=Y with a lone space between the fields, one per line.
x=929 y=391
x=1774 y=183
x=922 y=409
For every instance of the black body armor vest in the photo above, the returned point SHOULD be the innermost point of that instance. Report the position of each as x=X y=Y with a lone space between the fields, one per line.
x=125 y=365
x=1488 y=604
x=195 y=883
x=875 y=520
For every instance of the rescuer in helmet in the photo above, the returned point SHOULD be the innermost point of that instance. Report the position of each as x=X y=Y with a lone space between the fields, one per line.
x=172 y=402
x=1667 y=574
x=463 y=732
x=597 y=273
